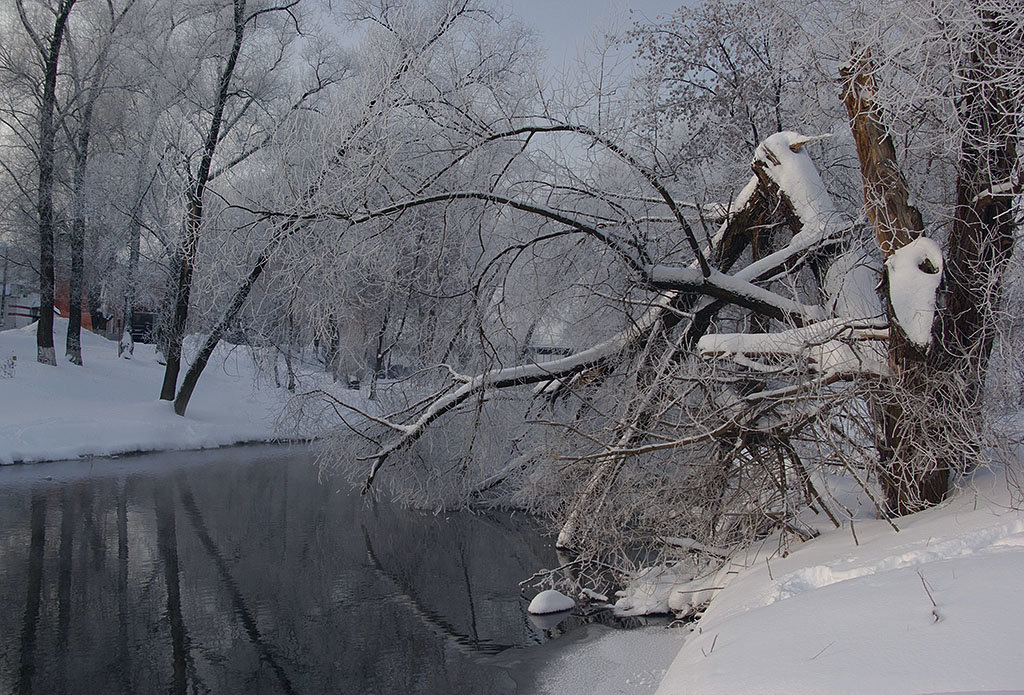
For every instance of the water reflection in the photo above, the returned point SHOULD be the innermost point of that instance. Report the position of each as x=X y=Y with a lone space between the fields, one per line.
x=236 y=571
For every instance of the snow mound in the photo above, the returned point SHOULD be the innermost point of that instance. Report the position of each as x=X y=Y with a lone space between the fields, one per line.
x=550 y=601
x=934 y=608
x=819 y=576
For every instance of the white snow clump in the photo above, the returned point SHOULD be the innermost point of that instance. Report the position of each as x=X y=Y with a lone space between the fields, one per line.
x=550 y=601
x=915 y=271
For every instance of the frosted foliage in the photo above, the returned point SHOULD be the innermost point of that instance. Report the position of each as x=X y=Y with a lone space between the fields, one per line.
x=850 y=284
x=915 y=271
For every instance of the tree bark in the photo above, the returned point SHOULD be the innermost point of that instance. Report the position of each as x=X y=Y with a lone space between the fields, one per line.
x=194 y=213
x=913 y=473
x=73 y=346
x=50 y=54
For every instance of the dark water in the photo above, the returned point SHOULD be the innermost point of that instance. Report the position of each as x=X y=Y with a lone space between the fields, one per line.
x=236 y=571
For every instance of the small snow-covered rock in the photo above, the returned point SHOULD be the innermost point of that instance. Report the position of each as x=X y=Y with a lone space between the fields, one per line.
x=550 y=601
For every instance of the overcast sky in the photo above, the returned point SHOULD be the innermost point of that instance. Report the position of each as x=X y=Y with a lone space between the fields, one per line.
x=565 y=26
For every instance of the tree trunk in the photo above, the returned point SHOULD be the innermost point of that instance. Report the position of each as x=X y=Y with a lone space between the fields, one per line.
x=982 y=235
x=188 y=385
x=194 y=215
x=380 y=354
x=932 y=417
x=73 y=346
x=44 y=207
x=288 y=352
x=913 y=472
x=184 y=262
x=126 y=343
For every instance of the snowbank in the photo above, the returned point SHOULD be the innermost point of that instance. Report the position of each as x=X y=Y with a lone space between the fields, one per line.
x=934 y=608
x=110 y=406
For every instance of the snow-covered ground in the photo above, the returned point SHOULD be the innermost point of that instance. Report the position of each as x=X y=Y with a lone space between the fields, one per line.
x=110 y=405
x=935 y=608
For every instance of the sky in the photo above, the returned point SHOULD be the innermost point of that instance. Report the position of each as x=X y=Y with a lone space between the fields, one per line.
x=565 y=26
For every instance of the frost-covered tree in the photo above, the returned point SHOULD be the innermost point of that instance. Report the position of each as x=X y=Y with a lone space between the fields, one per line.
x=429 y=76
x=737 y=353
x=31 y=72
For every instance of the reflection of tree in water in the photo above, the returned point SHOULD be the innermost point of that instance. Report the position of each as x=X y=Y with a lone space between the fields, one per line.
x=250 y=576
x=454 y=575
x=32 y=598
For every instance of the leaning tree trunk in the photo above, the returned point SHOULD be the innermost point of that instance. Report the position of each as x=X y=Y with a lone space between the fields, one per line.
x=188 y=384
x=194 y=213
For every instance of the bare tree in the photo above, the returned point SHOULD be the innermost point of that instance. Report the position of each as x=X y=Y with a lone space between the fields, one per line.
x=242 y=20
x=47 y=43
x=90 y=73
x=406 y=88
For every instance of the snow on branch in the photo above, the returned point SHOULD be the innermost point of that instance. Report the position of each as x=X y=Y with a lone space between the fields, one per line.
x=735 y=290
x=781 y=163
x=827 y=347
x=783 y=159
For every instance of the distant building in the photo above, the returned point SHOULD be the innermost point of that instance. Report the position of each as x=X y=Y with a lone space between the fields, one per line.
x=20 y=307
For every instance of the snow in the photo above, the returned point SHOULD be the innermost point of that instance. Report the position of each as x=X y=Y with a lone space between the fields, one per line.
x=110 y=406
x=550 y=601
x=605 y=661
x=934 y=608
x=829 y=347
x=737 y=288
x=786 y=161
x=914 y=273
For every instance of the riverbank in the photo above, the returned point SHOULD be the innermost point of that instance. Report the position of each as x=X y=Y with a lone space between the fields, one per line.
x=932 y=609
x=109 y=405
x=861 y=609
